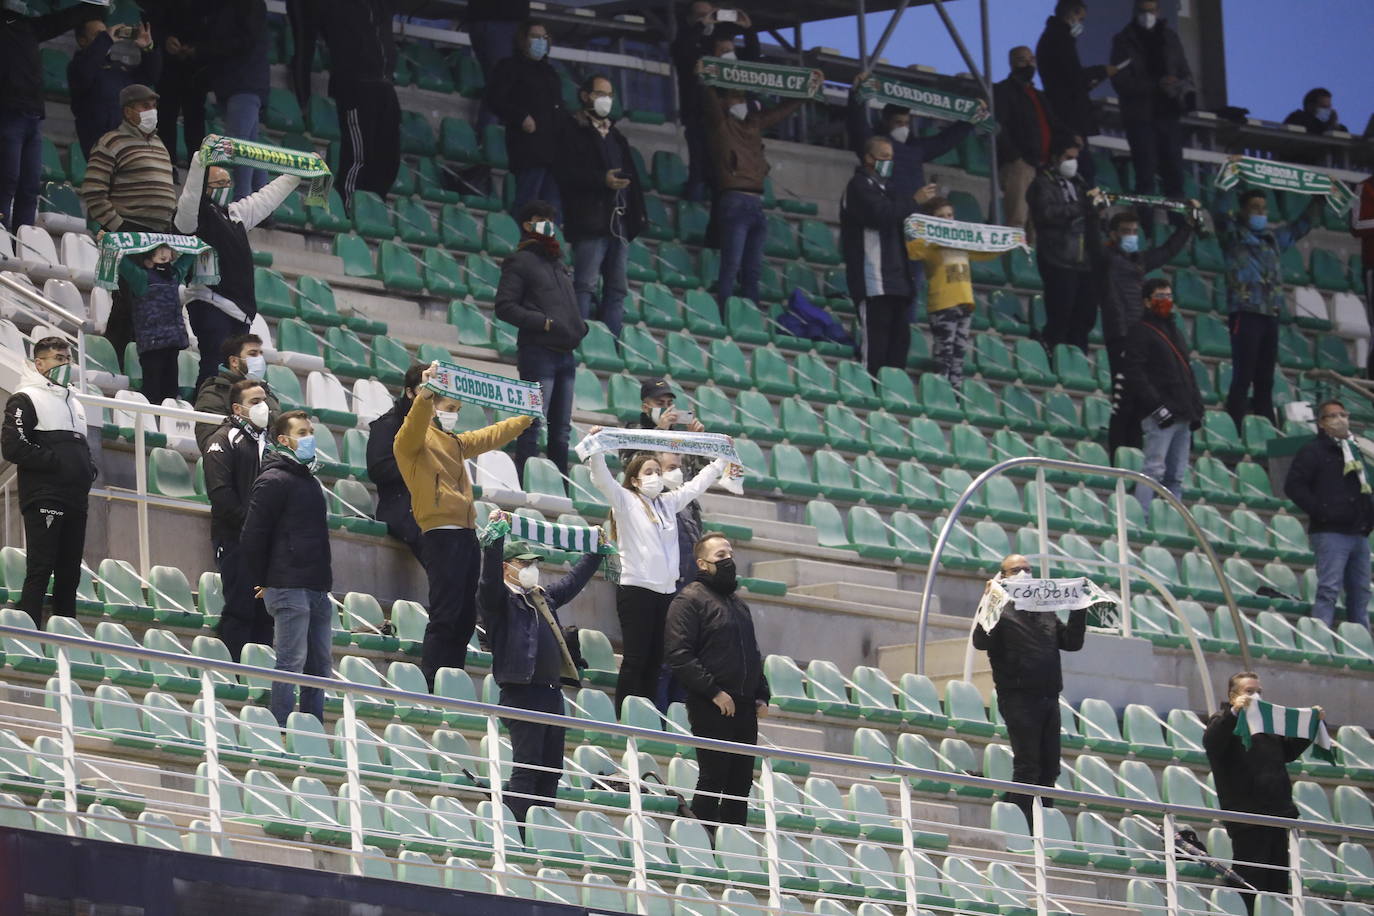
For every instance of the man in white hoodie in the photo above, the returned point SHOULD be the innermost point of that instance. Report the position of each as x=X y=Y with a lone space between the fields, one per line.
x=44 y=435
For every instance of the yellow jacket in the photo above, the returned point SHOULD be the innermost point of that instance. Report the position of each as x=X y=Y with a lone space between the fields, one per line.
x=949 y=281
x=431 y=462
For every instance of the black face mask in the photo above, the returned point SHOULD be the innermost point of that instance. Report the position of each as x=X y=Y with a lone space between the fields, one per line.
x=1024 y=74
x=724 y=580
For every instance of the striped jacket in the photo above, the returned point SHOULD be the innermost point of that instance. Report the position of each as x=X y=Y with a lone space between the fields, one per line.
x=129 y=178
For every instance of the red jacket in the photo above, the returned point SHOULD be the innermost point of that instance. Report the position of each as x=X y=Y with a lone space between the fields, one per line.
x=1362 y=222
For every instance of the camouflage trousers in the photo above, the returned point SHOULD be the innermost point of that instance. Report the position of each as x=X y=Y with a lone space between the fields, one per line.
x=949 y=333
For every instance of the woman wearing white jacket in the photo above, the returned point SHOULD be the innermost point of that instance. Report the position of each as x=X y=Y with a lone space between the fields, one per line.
x=644 y=525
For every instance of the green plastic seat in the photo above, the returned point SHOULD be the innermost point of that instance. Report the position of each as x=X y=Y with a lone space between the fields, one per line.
x=1098 y=724
x=1032 y=365
x=938 y=399
x=965 y=709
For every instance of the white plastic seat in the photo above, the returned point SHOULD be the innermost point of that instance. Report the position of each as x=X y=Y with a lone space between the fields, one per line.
x=1308 y=302
x=324 y=391
x=495 y=473
x=125 y=418
x=11 y=339
x=36 y=246
x=1348 y=312
x=99 y=308
x=10 y=303
x=181 y=434
x=65 y=294
x=371 y=399
x=79 y=253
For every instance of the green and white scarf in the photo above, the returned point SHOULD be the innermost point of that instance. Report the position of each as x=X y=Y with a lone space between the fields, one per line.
x=707 y=445
x=1354 y=464
x=952 y=233
x=1269 y=719
x=217 y=150
x=926 y=100
x=773 y=79
x=115 y=245
x=1154 y=200
x=1281 y=176
x=575 y=538
x=487 y=390
x=1044 y=596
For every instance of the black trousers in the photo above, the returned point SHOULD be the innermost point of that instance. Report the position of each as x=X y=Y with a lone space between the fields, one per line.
x=212 y=328
x=1119 y=430
x=642 y=614
x=1070 y=306
x=181 y=92
x=886 y=330
x=119 y=325
x=1260 y=846
x=370 y=154
x=56 y=536
x=719 y=773
x=540 y=746
x=1156 y=149
x=452 y=561
x=159 y=373
x=1254 y=355
x=1033 y=728
x=244 y=618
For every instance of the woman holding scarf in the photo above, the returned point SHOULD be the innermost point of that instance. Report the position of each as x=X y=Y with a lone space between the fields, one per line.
x=644 y=526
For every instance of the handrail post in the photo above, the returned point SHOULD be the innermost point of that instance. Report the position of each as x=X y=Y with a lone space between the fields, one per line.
x=1170 y=864
x=212 y=786
x=141 y=484
x=64 y=711
x=770 y=835
x=1042 y=879
x=1123 y=556
x=640 y=877
x=1042 y=522
x=498 y=805
x=355 y=785
x=1295 y=871
x=908 y=846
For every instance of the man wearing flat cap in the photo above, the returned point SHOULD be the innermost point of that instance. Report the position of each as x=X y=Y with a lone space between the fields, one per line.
x=531 y=658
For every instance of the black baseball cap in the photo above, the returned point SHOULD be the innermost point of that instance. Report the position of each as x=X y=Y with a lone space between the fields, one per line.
x=655 y=388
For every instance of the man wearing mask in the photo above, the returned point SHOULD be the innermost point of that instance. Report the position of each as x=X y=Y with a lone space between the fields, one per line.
x=735 y=132
x=1027 y=125
x=714 y=653
x=875 y=258
x=531 y=659
x=1316 y=116
x=108 y=58
x=21 y=103
x=536 y=295
x=44 y=436
x=227 y=308
x=128 y=185
x=284 y=551
x=432 y=459
x=1255 y=297
x=1067 y=82
x=1155 y=86
x=1162 y=391
x=1125 y=268
x=1023 y=648
x=1329 y=481
x=605 y=203
x=243 y=359
x=1064 y=211
x=232 y=460
x=393 y=499
x=526 y=93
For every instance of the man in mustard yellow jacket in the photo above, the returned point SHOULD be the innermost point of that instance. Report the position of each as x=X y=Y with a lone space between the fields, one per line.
x=431 y=458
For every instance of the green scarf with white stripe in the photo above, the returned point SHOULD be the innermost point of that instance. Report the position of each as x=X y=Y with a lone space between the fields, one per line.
x=1287 y=722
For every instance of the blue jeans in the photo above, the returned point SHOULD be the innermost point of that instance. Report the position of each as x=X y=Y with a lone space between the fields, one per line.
x=241 y=121
x=743 y=230
x=1341 y=559
x=1166 y=458
x=21 y=168
x=537 y=184
x=554 y=371
x=304 y=631
x=602 y=259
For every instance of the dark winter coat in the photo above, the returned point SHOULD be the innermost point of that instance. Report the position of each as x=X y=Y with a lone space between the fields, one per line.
x=393 y=499
x=875 y=257
x=909 y=157
x=534 y=288
x=1159 y=373
x=1021 y=135
x=1254 y=780
x=1024 y=649
x=1154 y=54
x=522 y=87
x=1317 y=482
x=21 y=66
x=285 y=538
x=588 y=205
x=358 y=33
x=213 y=397
x=156 y=302
x=94 y=81
x=1067 y=82
x=1124 y=278
x=232 y=460
x=44 y=435
x=709 y=643
x=1065 y=226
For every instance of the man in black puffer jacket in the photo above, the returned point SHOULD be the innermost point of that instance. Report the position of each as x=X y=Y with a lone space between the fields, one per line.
x=709 y=643
x=1024 y=648
x=536 y=295
x=526 y=93
x=393 y=498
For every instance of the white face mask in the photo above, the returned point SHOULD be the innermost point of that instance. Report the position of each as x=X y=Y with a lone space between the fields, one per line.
x=147 y=120
x=528 y=576
x=739 y=111
x=672 y=479
x=1068 y=168
x=729 y=55
x=1146 y=20
x=650 y=485
x=448 y=419
x=899 y=134
x=256 y=366
x=258 y=414
x=542 y=227
x=601 y=105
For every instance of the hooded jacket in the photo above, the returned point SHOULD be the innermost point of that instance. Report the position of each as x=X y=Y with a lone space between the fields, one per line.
x=21 y=66
x=94 y=81
x=285 y=538
x=433 y=464
x=1065 y=221
x=1024 y=649
x=1159 y=373
x=232 y=460
x=213 y=397
x=589 y=207
x=875 y=257
x=44 y=435
x=1331 y=498
x=1154 y=54
x=1254 y=780
x=1124 y=279
x=393 y=499
x=1067 y=82
x=536 y=287
x=515 y=628
x=521 y=87
x=710 y=644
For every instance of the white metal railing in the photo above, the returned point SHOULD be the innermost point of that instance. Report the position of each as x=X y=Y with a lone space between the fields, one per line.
x=781 y=853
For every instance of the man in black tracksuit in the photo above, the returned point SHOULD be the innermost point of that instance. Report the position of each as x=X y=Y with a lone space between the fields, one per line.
x=232 y=459
x=530 y=659
x=1064 y=213
x=1024 y=648
x=44 y=436
x=1253 y=780
x=393 y=499
x=710 y=644
x=1124 y=270
x=536 y=295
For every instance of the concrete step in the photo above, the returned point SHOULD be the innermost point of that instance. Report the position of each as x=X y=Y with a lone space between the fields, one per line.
x=796 y=571
x=860 y=594
x=717 y=503
x=782 y=531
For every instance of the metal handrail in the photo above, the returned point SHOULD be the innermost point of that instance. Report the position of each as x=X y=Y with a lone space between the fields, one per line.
x=1122 y=474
